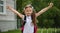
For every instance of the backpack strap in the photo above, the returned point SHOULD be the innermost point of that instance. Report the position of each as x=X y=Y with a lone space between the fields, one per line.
x=24 y=20
x=23 y=23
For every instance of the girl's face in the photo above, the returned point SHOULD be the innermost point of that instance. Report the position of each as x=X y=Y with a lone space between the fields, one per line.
x=28 y=11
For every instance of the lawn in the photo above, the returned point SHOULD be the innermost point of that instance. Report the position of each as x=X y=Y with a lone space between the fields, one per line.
x=50 y=30
x=12 y=31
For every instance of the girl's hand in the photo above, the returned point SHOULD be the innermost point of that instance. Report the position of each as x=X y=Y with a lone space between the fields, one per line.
x=51 y=4
x=8 y=7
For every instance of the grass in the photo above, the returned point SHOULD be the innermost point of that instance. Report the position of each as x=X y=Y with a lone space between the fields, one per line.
x=50 y=30
x=12 y=31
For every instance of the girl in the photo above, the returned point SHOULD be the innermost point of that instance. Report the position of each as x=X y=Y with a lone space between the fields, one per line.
x=29 y=17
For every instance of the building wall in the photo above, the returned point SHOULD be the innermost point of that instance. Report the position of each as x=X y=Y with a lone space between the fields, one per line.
x=8 y=21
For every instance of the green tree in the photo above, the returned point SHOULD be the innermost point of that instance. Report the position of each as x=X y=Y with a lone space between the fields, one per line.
x=51 y=18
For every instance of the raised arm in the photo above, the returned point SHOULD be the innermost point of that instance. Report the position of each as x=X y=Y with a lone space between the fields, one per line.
x=44 y=10
x=16 y=12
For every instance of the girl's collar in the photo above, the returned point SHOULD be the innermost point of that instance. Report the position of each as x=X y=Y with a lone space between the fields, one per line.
x=27 y=15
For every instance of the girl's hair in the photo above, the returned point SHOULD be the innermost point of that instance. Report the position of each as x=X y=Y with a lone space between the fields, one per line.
x=32 y=15
x=33 y=18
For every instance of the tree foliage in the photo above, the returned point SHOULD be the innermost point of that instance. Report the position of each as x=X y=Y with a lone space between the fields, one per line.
x=51 y=18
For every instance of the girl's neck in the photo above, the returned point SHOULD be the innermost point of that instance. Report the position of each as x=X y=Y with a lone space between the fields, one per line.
x=28 y=15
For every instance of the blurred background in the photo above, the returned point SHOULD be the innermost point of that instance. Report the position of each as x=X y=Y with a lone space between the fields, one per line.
x=48 y=22
x=49 y=19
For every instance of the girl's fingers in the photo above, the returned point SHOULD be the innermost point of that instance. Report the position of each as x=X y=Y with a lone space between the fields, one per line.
x=8 y=7
x=51 y=4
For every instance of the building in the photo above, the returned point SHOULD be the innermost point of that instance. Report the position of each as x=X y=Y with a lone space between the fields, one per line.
x=7 y=18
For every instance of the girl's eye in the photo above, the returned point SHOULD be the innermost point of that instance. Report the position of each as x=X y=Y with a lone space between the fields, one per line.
x=30 y=10
x=27 y=11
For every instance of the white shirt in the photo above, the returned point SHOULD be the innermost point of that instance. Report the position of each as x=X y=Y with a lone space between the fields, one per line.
x=28 y=27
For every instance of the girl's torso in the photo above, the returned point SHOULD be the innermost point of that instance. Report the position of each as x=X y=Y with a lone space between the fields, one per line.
x=29 y=26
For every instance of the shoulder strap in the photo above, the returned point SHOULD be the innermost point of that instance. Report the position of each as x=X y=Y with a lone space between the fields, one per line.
x=31 y=17
x=24 y=20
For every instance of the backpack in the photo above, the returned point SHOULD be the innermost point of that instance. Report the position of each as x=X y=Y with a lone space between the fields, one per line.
x=23 y=23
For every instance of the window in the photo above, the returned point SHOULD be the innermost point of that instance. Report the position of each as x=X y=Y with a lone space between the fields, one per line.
x=2 y=6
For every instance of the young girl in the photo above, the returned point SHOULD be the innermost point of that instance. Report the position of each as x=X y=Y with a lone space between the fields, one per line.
x=29 y=17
